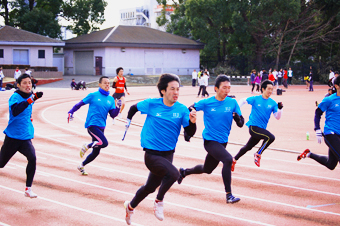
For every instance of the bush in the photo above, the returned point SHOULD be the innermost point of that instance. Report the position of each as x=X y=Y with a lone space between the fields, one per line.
x=223 y=68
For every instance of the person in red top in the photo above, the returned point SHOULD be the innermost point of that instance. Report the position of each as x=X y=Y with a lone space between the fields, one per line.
x=285 y=77
x=119 y=83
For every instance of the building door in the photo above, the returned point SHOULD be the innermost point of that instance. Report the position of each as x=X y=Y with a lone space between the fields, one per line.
x=153 y=62
x=99 y=65
x=84 y=62
x=20 y=56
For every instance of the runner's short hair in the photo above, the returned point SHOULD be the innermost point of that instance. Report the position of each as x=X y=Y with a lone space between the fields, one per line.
x=21 y=77
x=265 y=83
x=337 y=81
x=118 y=69
x=219 y=79
x=101 y=78
x=164 y=80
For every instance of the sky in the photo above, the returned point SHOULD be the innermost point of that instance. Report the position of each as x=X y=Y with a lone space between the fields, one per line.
x=111 y=13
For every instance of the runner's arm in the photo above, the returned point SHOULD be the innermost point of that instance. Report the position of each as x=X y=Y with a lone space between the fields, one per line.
x=317 y=117
x=17 y=108
x=242 y=102
x=76 y=107
x=133 y=110
x=278 y=114
x=238 y=119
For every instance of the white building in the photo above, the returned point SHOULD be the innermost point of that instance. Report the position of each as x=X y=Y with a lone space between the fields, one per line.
x=145 y=15
x=22 y=47
x=139 y=50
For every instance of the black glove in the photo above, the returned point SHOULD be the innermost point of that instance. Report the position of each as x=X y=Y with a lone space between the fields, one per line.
x=280 y=105
x=186 y=137
x=236 y=117
x=34 y=97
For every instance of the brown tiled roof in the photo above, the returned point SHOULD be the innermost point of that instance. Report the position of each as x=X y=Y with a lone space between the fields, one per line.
x=132 y=36
x=11 y=34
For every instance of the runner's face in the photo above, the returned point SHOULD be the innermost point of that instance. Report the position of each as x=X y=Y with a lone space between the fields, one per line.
x=121 y=72
x=223 y=91
x=105 y=84
x=170 y=95
x=268 y=91
x=25 y=85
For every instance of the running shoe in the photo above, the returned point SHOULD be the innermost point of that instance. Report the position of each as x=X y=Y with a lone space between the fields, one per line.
x=128 y=212
x=232 y=199
x=257 y=158
x=158 y=210
x=233 y=165
x=29 y=193
x=83 y=150
x=303 y=154
x=82 y=170
x=181 y=175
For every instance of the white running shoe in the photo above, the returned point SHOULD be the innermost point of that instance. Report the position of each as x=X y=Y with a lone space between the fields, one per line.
x=30 y=193
x=120 y=115
x=128 y=212
x=83 y=150
x=158 y=210
x=82 y=170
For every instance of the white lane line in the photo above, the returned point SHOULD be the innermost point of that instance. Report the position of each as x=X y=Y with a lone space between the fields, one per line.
x=72 y=207
x=196 y=146
x=332 y=204
x=218 y=174
x=3 y=224
x=132 y=194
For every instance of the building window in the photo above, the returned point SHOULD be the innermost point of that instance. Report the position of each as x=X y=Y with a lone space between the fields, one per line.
x=41 y=54
x=1 y=53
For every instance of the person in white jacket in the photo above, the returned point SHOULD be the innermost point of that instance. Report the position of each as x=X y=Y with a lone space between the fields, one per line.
x=1 y=77
x=17 y=73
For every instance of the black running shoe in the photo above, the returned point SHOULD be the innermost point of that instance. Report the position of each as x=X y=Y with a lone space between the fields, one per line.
x=181 y=175
x=232 y=199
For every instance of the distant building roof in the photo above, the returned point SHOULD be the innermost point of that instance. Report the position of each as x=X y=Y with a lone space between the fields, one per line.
x=13 y=36
x=132 y=36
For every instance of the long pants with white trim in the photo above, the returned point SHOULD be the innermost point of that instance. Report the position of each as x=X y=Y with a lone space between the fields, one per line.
x=256 y=134
x=330 y=161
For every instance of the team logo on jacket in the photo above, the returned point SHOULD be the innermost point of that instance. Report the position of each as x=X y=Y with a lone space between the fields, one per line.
x=269 y=106
x=213 y=109
x=227 y=109
x=175 y=115
x=336 y=105
x=158 y=115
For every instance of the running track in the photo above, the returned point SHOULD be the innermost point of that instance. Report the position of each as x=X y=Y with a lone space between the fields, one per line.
x=281 y=192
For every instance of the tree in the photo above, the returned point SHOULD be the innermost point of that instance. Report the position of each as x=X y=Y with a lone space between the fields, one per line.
x=40 y=16
x=4 y=11
x=85 y=15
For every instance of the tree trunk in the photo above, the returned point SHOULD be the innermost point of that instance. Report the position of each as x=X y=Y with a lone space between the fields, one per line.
x=5 y=6
x=280 y=46
x=292 y=51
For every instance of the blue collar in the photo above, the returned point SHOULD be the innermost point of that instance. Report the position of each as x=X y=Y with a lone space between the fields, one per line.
x=106 y=93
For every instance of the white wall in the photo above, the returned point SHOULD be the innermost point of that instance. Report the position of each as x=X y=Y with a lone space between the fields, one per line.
x=133 y=60
x=33 y=55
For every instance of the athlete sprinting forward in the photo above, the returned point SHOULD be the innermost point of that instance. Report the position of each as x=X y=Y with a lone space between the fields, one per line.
x=119 y=83
x=100 y=104
x=330 y=105
x=20 y=130
x=262 y=108
x=159 y=136
x=219 y=112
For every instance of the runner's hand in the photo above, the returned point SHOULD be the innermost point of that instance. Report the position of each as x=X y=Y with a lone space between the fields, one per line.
x=70 y=117
x=192 y=115
x=280 y=105
x=128 y=122
x=319 y=136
